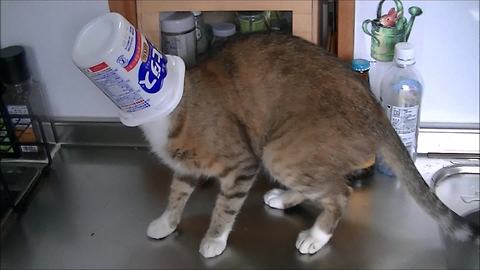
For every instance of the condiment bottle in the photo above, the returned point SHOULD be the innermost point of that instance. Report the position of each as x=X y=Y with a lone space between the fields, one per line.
x=20 y=102
x=361 y=66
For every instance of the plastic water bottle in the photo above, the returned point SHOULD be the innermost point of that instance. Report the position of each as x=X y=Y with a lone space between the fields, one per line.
x=401 y=95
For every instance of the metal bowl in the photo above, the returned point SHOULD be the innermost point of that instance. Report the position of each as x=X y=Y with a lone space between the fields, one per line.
x=458 y=187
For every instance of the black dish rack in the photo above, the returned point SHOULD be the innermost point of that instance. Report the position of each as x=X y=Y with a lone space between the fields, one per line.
x=20 y=168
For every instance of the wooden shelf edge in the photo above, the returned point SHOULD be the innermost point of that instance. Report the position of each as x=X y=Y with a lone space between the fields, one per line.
x=205 y=5
x=128 y=8
x=346 y=25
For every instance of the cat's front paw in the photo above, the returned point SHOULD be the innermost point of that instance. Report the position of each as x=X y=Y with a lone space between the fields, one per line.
x=273 y=198
x=311 y=241
x=211 y=247
x=160 y=228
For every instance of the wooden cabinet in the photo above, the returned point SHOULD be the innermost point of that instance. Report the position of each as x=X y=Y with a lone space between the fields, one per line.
x=144 y=14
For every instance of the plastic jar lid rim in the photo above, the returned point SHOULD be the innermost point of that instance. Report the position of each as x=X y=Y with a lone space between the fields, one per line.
x=178 y=22
x=223 y=29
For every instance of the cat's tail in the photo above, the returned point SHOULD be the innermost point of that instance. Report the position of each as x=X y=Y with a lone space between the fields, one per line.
x=397 y=156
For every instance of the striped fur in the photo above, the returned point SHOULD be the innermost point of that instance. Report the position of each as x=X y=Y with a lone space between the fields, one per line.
x=288 y=106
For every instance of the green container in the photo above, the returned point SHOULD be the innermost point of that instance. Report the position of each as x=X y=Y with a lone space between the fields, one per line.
x=252 y=21
x=385 y=38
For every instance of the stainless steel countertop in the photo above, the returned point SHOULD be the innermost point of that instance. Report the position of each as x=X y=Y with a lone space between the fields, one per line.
x=93 y=209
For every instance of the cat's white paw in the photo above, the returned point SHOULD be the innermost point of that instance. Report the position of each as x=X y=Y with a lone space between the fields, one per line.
x=159 y=228
x=273 y=198
x=311 y=241
x=211 y=247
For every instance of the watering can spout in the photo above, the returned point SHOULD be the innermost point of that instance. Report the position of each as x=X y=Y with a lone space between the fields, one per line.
x=414 y=12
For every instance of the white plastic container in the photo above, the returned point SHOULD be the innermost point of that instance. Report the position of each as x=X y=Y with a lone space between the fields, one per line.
x=142 y=82
x=223 y=30
x=221 y=33
x=179 y=36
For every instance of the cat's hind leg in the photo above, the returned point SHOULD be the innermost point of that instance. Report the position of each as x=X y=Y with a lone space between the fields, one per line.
x=313 y=239
x=180 y=190
x=309 y=176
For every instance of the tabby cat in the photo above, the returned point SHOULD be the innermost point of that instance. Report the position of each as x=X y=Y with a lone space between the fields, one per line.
x=287 y=106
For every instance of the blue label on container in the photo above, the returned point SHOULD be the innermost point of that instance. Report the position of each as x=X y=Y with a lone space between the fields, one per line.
x=153 y=71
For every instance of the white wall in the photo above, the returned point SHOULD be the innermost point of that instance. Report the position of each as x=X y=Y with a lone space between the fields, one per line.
x=48 y=30
x=446 y=38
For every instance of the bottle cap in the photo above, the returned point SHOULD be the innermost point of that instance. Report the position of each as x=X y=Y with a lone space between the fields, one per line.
x=404 y=53
x=13 y=65
x=178 y=22
x=223 y=29
x=360 y=65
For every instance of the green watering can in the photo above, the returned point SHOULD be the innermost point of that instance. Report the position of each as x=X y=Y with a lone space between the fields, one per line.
x=384 y=38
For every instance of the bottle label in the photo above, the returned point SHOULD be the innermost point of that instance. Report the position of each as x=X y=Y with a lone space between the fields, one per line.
x=169 y=44
x=176 y=45
x=182 y=45
x=139 y=62
x=116 y=88
x=153 y=70
x=134 y=41
x=404 y=121
x=17 y=109
x=23 y=128
x=29 y=148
